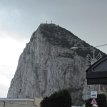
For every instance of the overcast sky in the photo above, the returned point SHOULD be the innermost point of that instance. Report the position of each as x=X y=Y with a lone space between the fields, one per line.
x=20 y=18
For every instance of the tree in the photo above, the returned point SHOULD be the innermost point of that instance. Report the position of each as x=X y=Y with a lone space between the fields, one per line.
x=58 y=99
x=101 y=100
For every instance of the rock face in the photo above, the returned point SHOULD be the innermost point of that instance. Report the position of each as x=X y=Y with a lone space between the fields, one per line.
x=48 y=64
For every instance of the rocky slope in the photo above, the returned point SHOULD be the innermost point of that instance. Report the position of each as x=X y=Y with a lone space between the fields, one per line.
x=48 y=64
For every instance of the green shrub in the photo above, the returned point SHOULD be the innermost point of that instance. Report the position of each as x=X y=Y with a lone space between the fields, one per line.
x=88 y=103
x=101 y=100
x=58 y=99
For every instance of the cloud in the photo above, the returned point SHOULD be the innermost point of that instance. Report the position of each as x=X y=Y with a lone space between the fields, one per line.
x=3 y=91
x=10 y=50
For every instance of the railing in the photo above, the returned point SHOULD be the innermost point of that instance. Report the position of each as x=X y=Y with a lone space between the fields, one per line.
x=7 y=102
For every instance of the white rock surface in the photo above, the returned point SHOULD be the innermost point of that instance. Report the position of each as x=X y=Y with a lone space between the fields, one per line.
x=47 y=64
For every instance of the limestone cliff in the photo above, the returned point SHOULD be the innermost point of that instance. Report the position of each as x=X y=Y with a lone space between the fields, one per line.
x=48 y=64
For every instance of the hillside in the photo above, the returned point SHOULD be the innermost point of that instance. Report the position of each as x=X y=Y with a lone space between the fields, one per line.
x=48 y=64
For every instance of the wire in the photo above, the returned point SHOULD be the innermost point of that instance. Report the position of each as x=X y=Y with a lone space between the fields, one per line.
x=101 y=45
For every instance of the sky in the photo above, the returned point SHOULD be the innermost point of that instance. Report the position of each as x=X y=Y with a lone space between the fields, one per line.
x=87 y=19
